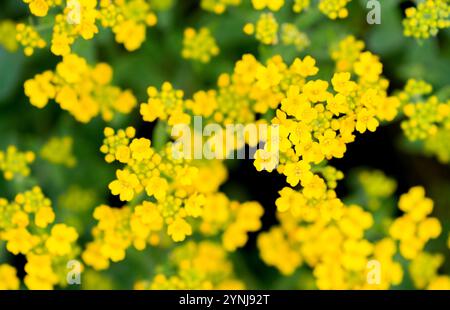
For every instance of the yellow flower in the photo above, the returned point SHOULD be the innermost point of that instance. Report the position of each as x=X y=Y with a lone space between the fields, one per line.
x=289 y=198
x=123 y=154
x=19 y=241
x=273 y=5
x=316 y=91
x=29 y=38
x=265 y=160
x=60 y=240
x=179 y=229
x=157 y=187
x=40 y=274
x=93 y=256
x=266 y=29
x=415 y=203
x=365 y=120
x=8 y=278
x=440 y=283
x=306 y=67
x=140 y=149
x=38 y=7
x=77 y=88
x=334 y=8
x=131 y=34
x=126 y=185
x=44 y=216
x=296 y=172
x=234 y=237
x=368 y=67
x=194 y=205
x=426 y=19
x=14 y=163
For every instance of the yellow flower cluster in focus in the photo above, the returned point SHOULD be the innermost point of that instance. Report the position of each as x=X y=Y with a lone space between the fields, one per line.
x=166 y=197
x=127 y=19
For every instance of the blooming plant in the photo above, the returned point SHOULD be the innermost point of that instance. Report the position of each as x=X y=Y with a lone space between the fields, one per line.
x=341 y=130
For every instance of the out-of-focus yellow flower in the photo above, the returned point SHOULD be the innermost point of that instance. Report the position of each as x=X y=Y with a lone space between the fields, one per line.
x=14 y=163
x=59 y=151
x=199 y=45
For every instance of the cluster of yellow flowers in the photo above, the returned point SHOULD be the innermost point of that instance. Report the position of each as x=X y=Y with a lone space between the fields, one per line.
x=273 y=5
x=41 y=7
x=14 y=163
x=291 y=35
x=256 y=88
x=203 y=265
x=300 y=5
x=316 y=124
x=346 y=52
x=330 y=239
x=127 y=19
x=265 y=29
x=426 y=19
x=83 y=91
x=171 y=199
x=334 y=8
x=164 y=192
x=414 y=228
x=27 y=226
x=199 y=45
x=8 y=278
x=427 y=119
x=236 y=100
x=29 y=38
x=331 y=8
x=59 y=151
